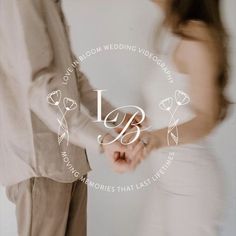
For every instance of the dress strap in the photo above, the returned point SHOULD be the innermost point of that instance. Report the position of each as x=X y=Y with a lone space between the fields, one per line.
x=167 y=42
x=174 y=41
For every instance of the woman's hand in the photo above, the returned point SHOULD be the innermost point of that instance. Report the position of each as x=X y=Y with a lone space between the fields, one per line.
x=140 y=149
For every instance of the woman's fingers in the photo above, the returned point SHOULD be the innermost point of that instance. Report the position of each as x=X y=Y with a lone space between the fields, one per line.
x=137 y=154
x=122 y=165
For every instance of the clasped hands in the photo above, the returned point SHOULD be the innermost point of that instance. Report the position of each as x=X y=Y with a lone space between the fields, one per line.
x=125 y=157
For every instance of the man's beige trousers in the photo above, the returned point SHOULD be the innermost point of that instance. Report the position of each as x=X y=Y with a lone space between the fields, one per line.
x=48 y=208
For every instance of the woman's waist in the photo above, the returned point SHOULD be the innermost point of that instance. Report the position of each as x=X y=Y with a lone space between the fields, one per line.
x=195 y=150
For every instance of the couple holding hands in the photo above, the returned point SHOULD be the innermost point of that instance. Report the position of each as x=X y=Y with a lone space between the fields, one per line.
x=132 y=143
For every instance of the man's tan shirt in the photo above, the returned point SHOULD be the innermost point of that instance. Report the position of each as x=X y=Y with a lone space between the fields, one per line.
x=35 y=54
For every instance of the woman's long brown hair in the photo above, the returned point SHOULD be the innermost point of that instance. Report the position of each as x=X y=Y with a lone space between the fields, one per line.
x=181 y=12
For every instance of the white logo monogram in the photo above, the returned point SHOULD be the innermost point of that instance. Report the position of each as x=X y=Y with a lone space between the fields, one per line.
x=130 y=122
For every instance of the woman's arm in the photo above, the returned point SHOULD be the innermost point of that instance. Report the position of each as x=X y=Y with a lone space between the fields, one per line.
x=198 y=59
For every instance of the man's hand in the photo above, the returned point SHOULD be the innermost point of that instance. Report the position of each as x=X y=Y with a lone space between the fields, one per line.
x=117 y=154
x=137 y=119
x=141 y=148
x=135 y=152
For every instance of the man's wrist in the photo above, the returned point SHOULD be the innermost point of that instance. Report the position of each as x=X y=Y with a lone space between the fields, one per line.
x=102 y=142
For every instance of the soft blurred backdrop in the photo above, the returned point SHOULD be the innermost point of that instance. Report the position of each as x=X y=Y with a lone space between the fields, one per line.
x=94 y=23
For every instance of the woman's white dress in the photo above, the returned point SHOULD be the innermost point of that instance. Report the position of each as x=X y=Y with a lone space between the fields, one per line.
x=188 y=196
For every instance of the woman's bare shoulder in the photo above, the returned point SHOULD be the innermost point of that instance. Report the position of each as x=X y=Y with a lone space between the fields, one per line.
x=196 y=30
x=196 y=46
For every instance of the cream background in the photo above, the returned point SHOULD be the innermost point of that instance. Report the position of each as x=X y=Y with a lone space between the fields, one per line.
x=95 y=23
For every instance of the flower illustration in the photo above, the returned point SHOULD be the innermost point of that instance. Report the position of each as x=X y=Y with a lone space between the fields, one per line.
x=54 y=98
x=69 y=104
x=181 y=98
x=166 y=104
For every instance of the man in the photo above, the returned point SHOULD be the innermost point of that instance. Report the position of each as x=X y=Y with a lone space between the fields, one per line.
x=35 y=54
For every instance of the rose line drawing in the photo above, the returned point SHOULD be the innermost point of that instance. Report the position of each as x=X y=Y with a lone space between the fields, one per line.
x=54 y=99
x=180 y=99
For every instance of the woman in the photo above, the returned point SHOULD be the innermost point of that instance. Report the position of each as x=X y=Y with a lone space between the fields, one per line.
x=188 y=198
